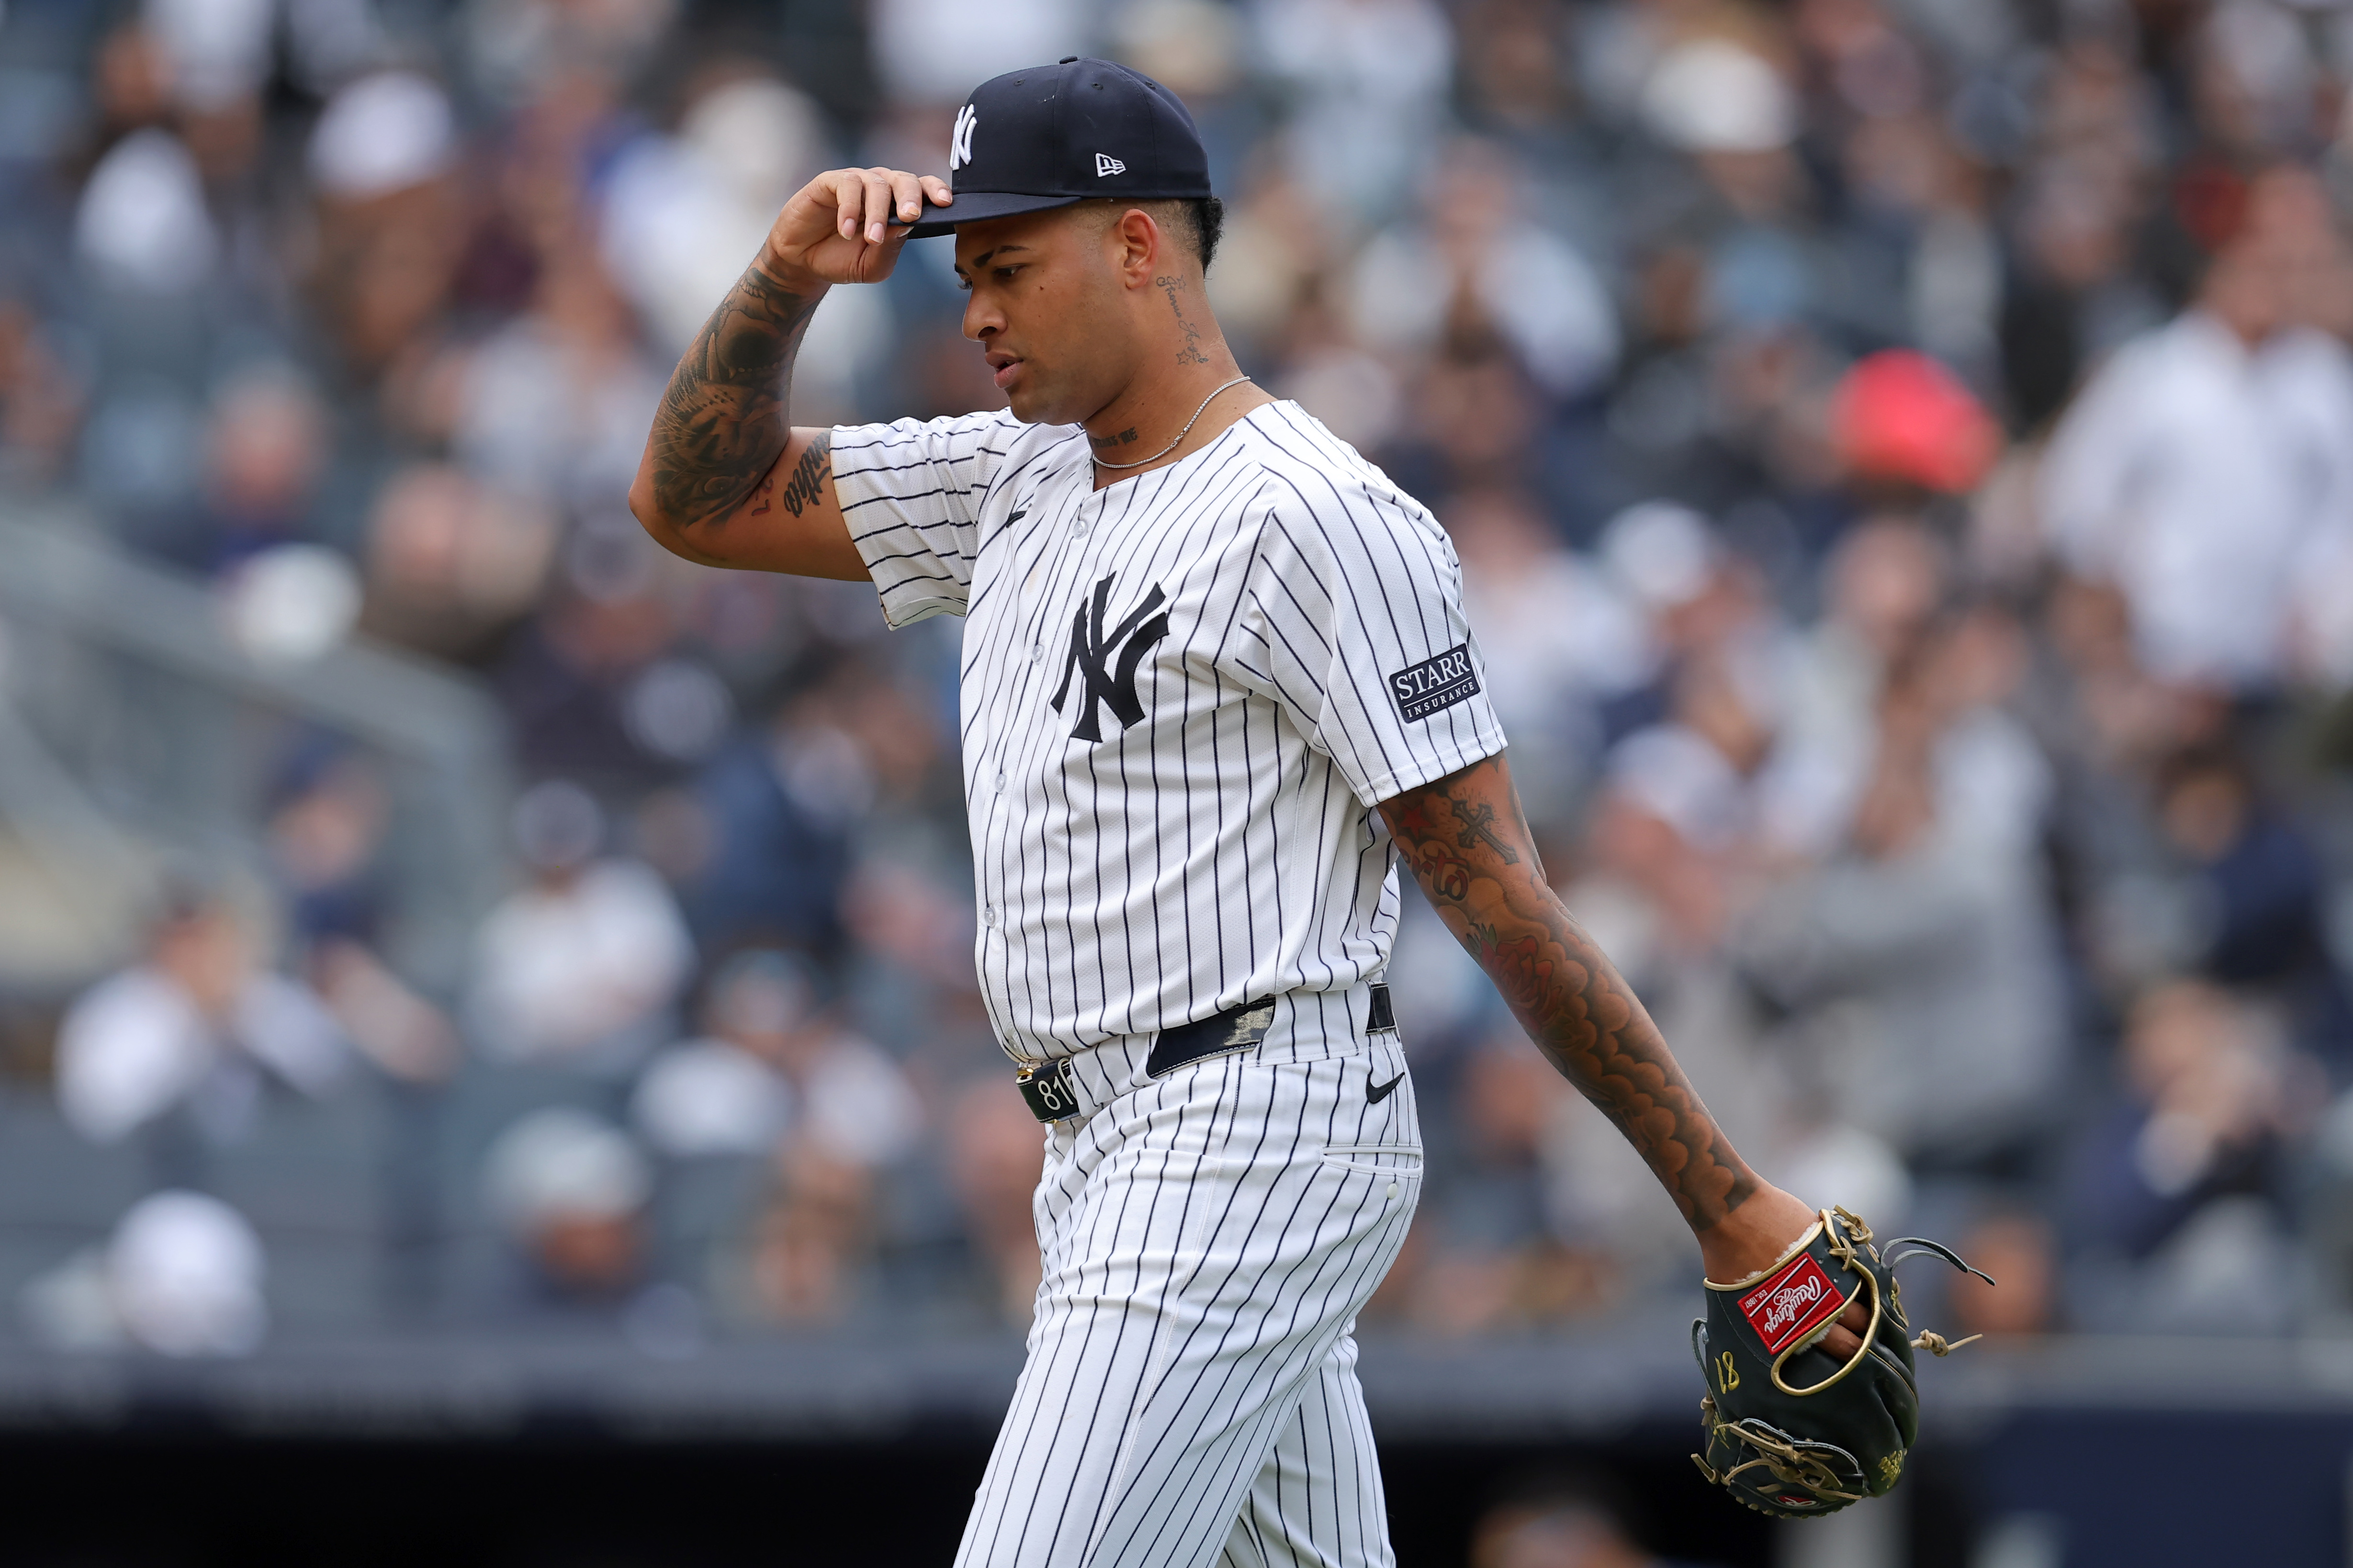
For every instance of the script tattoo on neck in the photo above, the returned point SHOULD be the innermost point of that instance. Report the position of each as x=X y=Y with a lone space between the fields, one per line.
x=724 y=419
x=1470 y=847
x=1172 y=285
x=1124 y=437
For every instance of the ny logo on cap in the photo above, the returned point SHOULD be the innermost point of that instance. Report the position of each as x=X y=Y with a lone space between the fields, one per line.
x=960 y=139
x=1107 y=164
x=1110 y=683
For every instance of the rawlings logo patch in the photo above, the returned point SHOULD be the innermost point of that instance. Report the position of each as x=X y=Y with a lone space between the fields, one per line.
x=1795 y=1301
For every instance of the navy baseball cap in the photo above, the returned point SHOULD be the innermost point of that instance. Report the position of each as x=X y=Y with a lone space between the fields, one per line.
x=1052 y=136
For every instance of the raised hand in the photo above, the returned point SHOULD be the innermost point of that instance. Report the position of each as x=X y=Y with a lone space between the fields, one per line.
x=848 y=226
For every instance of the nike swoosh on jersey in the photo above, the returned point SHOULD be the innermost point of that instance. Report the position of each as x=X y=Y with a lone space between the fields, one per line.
x=1376 y=1093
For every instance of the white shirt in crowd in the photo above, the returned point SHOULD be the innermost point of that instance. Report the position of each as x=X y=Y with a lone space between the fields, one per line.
x=706 y=1097
x=587 y=967
x=136 y=1045
x=2205 y=477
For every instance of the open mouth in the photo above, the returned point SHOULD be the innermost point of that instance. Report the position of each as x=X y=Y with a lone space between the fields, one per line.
x=1006 y=367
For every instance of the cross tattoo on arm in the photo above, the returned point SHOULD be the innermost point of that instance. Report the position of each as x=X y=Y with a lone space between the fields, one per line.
x=1479 y=823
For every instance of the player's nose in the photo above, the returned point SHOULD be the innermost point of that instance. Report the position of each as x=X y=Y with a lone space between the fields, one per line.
x=982 y=321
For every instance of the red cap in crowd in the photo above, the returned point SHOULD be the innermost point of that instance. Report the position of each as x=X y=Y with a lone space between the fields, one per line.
x=1899 y=414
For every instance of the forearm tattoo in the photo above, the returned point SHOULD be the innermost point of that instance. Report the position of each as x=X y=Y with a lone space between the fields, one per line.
x=725 y=418
x=1469 y=845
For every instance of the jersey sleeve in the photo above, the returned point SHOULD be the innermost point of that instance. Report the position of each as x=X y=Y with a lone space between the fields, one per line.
x=1356 y=597
x=910 y=493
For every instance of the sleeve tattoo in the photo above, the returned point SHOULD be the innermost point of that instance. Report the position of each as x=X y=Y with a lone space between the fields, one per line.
x=1467 y=845
x=725 y=418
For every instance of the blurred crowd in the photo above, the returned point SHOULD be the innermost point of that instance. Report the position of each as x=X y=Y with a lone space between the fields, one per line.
x=1901 y=455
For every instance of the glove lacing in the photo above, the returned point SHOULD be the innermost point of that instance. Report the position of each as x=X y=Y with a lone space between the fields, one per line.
x=1849 y=1237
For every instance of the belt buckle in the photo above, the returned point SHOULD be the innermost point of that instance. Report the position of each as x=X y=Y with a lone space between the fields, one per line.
x=1048 y=1088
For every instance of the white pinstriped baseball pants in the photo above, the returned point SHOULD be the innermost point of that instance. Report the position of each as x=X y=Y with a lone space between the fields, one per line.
x=1190 y=1397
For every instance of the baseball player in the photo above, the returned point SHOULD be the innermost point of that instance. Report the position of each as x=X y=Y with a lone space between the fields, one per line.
x=1217 y=682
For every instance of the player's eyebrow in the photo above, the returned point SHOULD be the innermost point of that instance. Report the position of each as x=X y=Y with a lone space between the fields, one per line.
x=982 y=259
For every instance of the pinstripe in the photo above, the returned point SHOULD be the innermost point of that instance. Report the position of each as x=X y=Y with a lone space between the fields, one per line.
x=1271 y=539
x=1282 y=1288
x=1189 y=1397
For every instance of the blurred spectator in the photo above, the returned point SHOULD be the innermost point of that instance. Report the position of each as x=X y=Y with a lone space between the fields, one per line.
x=581 y=966
x=2261 y=881
x=1368 y=78
x=1494 y=1261
x=515 y=45
x=144 y=225
x=185 y=1272
x=1558 y=639
x=782 y=810
x=265 y=450
x=452 y=564
x=381 y=161
x=2175 y=1191
x=570 y=1191
x=849 y=1115
x=685 y=212
x=2239 y=410
x=1566 y=1520
x=1476 y=262
x=327 y=840
x=995 y=1155
x=933 y=51
x=40 y=401
x=200 y=1026
x=220 y=55
x=556 y=404
x=182 y=1276
x=596 y=687
x=708 y=1097
x=1473 y=422
x=1926 y=948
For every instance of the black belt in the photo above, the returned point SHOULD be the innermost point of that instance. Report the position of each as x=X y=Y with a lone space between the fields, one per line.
x=1052 y=1096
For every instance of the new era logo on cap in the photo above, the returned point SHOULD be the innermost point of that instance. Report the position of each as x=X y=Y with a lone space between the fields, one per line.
x=1107 y=164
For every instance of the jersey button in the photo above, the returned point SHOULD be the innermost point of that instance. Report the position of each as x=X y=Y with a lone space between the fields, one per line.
x=1037 y=652
x=1000 y=781
x=989 y=914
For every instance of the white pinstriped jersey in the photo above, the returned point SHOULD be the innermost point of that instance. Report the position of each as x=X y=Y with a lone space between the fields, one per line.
x=1182 y=695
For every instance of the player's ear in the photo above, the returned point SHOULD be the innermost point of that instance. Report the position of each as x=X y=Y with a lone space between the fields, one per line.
x=1140 y=242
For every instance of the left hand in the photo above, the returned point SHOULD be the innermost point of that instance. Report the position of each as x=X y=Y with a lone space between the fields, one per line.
x=1752 y=1238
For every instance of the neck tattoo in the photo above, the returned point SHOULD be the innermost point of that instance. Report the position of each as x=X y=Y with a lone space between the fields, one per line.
x=1163 y=451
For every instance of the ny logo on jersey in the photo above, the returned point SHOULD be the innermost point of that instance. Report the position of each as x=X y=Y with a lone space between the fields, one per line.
x=1092 y=656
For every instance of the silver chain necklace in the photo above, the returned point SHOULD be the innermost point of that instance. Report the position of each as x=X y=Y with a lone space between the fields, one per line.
x=1163 y=451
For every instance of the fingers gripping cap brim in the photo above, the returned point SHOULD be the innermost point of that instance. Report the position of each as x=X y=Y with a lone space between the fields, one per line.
x=977 y=206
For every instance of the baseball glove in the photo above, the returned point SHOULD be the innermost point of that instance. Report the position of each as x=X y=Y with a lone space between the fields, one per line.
x=1791 y=1430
